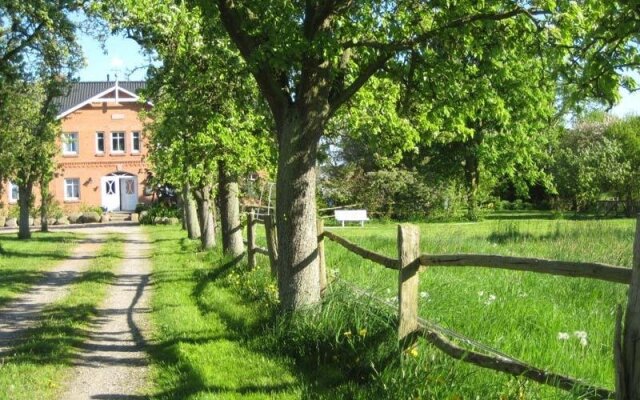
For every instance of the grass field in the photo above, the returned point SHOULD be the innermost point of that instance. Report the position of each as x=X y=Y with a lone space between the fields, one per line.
x=37 y=367
x=23 y=263
x=218 y=333
x=536 y=318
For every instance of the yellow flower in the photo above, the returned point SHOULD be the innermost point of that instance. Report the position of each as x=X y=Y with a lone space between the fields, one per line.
x=347 y=334
x=363 y=332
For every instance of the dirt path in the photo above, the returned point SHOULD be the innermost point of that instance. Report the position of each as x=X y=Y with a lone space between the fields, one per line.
x=113 y=364
x=24 y=312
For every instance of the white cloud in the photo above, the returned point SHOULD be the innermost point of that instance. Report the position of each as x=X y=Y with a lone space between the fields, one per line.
x=116 y=62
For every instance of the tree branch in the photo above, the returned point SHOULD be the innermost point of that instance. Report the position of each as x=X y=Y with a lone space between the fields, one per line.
x=342 y=96
x=270 y=83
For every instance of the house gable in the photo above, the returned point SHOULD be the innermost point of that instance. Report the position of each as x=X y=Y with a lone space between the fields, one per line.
x=84 y=93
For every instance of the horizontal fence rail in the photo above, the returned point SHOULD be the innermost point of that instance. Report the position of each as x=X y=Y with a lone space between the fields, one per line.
x=388 y=262
x=603 y=272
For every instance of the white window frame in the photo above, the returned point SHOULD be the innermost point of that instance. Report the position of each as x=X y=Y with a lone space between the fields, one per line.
x=98 y=151
x=65 y=142
x=13 y=200
x=124 y=146
x=68 y=182
x=133 y=147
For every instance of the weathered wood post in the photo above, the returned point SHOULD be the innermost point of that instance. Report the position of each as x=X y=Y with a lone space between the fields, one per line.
x=272 y=243
x=321 y=259
x=628 y=355
x=251 y=239
x=408 y=254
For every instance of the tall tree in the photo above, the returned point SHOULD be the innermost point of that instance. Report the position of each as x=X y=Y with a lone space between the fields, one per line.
x=33 y=129
x=206 y=113
x=309 y=59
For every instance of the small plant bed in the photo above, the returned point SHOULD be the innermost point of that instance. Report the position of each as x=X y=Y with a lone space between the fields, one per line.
x=37 y=367
x=24 y=262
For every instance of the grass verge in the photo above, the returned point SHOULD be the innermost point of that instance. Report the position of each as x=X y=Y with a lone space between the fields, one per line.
x=39 y=364
x=24 y=262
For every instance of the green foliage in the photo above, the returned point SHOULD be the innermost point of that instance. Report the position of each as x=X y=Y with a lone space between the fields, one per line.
x=205 y=105
x=157 y=211
x=86 y=208
x=588 y=163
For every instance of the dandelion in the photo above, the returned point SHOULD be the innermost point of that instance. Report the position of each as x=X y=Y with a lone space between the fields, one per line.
x=347 y=334
x=363 y=332
x=563 y=336
x=582 y=336
x=490 y=299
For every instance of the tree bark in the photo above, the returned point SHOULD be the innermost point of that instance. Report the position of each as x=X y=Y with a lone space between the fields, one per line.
x=25 y=193
x=191 y=213
x=205 y=217
x=44 y=206
x=298 y=266
x=230 y=212
x=471 y=175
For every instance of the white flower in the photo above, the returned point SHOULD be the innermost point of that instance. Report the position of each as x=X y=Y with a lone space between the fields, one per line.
x=522 y=294
x=480 y=293
x=563 y=336
x=582 y=335
x=491 y=299
x=424 y=295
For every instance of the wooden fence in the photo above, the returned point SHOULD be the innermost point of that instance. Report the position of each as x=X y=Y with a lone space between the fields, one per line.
x=410 y=262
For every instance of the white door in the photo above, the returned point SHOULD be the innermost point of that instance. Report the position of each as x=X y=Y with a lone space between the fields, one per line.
x=128 y=193
x=110 y=193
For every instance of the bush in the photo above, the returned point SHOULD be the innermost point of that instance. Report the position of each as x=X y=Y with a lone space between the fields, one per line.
x=85 y=208
x=157 y=212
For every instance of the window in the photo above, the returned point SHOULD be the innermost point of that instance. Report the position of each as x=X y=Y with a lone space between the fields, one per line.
x=100 y=142
x=117 y=142
x=72 y=189
x=135 y=142
x=14 y=193
x=70 y=143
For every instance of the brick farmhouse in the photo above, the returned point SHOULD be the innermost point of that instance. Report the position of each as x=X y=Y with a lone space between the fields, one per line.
x=102 y=151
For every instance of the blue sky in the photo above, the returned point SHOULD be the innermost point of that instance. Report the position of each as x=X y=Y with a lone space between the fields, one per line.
x=124 y=57
x=120 y=55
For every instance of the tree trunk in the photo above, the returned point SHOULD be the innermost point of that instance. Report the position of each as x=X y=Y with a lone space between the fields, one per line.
x=205 y=217
x=44 y=206
x=471 y=175
x=230 y=213
x=191 y=213
x=25 y=192
x=298 y=266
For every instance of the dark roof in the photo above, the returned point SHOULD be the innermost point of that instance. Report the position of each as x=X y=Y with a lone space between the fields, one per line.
x=83 y=91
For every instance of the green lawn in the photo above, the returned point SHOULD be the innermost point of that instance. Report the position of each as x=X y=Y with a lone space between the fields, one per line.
x=24 y=262
x=39 y=365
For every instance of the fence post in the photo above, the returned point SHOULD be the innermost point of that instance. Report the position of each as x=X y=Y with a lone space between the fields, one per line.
x=408 y=254
x=272 y=243
x=628 y=374
x=251 y=239
x=321 y=259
